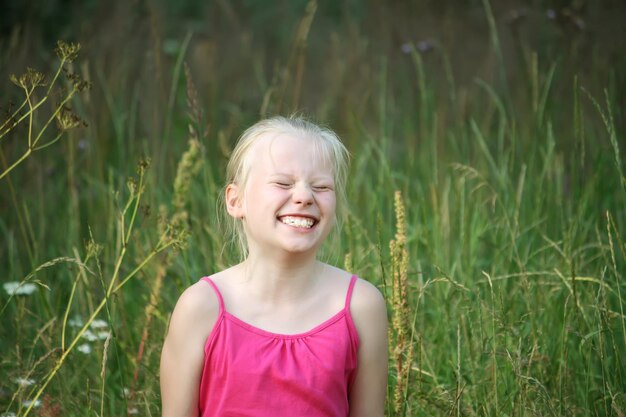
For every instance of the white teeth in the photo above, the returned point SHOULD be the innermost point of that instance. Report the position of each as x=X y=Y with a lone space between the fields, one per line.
x=298 y=221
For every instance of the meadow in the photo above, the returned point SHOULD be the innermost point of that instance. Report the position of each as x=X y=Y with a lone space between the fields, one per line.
x=487 y=194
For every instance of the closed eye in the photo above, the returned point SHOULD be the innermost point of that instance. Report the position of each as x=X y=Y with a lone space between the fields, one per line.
x=322 y=188
x=282 y=184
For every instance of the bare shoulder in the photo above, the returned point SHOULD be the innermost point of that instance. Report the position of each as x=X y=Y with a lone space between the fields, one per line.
x=366 y=299
x=336 y=276
x=197 y=299
x=195 y=313
x=367 y=303
x=365 y=294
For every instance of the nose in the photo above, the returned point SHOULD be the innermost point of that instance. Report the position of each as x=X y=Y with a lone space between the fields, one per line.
x=302 y=194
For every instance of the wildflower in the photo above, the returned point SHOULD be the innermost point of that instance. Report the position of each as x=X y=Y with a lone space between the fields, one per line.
x=89 y=335
x=133 y=410
x=75 y=322
x=103 y=335
x=425 y=46
x=83 y=144
x=98 y=324
x=8 y=414
x=17 y=288
x=84 y=348
x=23 y=382
x=422 y=46
x=27 y=403
x=406 y=47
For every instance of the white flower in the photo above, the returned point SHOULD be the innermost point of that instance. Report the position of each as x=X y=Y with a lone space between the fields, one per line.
x=8 y=414
x=103 y=335
x=23 y=382
x=133 y=410
x=27 y=403
x=98 y=324
x=89 y=335
x=17 y=288
x=126 y=392
x=84 y=348
x=75 y=322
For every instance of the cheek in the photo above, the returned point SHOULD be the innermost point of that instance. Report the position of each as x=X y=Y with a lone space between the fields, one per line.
x=265 y=197
x=329 y=202
x=274 y=196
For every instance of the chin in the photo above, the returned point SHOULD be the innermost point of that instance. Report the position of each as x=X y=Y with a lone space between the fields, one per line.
x=295 y=248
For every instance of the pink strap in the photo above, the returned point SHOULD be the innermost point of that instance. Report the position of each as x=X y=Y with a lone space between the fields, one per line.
x=217 y=292
x=350 y=288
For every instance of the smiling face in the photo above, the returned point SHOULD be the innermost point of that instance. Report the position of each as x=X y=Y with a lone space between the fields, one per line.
x=288 y=200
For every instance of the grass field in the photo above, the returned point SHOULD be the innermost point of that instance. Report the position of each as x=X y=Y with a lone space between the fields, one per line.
x=489 y=205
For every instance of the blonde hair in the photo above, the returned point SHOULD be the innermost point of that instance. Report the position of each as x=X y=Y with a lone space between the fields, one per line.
x=327 y=144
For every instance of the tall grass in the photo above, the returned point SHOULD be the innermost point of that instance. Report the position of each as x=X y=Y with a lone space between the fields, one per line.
x=490 y=213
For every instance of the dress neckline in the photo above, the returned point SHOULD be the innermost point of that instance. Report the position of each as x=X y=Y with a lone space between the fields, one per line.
x=254 y=329
x=224 y=314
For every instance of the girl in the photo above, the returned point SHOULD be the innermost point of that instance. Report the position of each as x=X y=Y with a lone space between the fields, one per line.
x=281 y=333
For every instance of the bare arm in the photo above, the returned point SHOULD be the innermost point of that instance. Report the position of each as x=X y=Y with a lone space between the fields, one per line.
x=182 y=356
x=369 y=313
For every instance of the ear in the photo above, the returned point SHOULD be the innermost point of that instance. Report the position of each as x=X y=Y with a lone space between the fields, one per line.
x=234 y=204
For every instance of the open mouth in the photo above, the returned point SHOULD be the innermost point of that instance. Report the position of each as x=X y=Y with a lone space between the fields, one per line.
x=297 y=221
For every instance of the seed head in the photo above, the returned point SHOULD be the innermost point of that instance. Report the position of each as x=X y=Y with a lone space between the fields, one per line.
x=347 y=262
x=188 y=166
x=67 y=51
x=29 y=80
x=143 y=165
x=400 y=218
x=146 y=210
x=67 y=119
x=131 y=183
x=93 y=248
x=77 y=82
x=400 y=330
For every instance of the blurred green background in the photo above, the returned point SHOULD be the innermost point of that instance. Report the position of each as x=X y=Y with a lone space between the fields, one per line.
x=501 y=124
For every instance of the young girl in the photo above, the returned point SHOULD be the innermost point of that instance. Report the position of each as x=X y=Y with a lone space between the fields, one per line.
x=281 y=333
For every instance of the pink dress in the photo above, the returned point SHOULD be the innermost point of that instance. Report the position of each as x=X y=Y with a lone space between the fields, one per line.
x=252 y=372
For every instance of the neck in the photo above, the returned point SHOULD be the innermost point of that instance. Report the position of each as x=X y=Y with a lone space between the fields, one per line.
x=280 y=278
